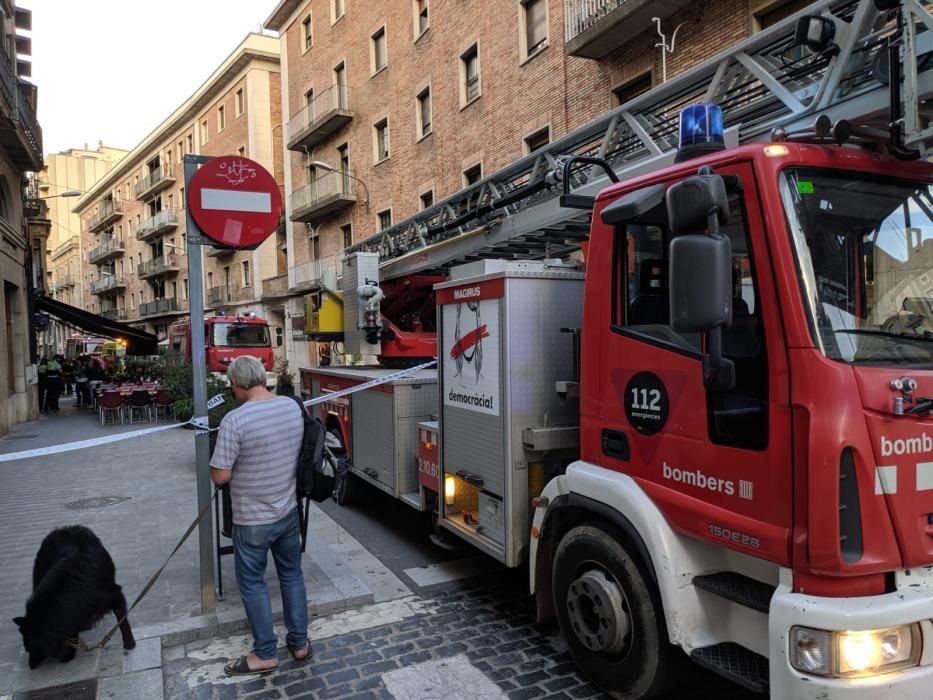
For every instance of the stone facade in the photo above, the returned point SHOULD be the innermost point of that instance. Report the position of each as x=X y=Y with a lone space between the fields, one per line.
x=22 y=228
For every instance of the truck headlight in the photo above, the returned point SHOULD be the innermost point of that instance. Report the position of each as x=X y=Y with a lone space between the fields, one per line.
x=854 y=654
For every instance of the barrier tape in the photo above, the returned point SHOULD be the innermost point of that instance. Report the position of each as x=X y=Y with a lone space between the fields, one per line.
x=370 y=384
x=199 y=422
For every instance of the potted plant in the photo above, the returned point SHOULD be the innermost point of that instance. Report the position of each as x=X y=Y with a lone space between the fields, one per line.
x=284 y=380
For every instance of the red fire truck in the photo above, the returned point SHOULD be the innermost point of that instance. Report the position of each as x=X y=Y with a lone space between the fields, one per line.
x=226 y=337
x=711 y=433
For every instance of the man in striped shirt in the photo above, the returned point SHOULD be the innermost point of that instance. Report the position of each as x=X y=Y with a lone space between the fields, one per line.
x=257 y=454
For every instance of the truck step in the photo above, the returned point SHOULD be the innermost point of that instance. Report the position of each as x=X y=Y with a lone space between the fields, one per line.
x=735 y=662
x=737 y=588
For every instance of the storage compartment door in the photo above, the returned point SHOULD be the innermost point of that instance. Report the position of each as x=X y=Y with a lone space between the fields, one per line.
x=374 y=445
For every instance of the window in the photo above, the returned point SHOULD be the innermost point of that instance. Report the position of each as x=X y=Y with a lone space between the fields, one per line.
x=347 y=230
x=378 y=50
x=469 y=75
x=472 y=175
x=181 y=149
x=204 y=132
x=174 y=290
x=210 y=280
x=770 y=12
x=184 y=288
x=424 y=112
x=181 y=199
x=384 y=220
x=631 y=88
x=641 y=309
x=246 y=278
x=221 y=118
x=190 y=142
x=168 y=159
x=533 y=27
x=315 y=247
x=239 y=102
x=340 y=80
x=337 y=10
x=421 y=17
x=307 y=38
x=381 y=139
x=343 y=157
x=539 y=139
x=426 y=199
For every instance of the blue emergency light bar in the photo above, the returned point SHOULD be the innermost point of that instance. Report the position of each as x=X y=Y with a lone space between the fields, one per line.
x=701 y=131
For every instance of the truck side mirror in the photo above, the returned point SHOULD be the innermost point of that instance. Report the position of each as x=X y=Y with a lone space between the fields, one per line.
x=700 y=269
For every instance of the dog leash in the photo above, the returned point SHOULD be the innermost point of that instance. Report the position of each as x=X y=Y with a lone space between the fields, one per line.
x=77 y=643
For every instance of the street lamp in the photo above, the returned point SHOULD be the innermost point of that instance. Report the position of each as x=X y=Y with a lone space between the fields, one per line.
x=69 y=193
x=324 y=166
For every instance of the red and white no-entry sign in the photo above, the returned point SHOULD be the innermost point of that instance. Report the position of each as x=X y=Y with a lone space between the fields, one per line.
x=235 y=201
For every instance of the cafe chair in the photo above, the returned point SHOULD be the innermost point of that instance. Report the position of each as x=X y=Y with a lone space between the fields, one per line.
x=164 y=406
x=110 y=405
x=140 y=401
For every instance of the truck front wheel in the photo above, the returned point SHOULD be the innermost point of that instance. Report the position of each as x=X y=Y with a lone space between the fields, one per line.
x=611 y=619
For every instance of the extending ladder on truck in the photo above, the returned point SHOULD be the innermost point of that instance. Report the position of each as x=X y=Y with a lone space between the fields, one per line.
x=762 y=83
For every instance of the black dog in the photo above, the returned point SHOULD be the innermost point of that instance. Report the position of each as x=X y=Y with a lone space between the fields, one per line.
x=73 y=586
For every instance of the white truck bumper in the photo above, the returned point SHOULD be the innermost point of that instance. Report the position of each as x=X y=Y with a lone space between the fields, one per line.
x=907 y=605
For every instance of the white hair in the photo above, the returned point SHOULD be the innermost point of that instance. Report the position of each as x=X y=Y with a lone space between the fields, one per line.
x=246 y=372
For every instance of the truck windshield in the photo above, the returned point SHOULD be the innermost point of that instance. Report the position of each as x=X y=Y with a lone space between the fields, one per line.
x=240 y=335
x=864 y=247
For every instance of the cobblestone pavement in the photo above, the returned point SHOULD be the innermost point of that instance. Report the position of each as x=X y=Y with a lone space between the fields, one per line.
x=472 y=642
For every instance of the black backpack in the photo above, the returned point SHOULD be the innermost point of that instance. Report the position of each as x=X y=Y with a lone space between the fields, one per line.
x=315 y=476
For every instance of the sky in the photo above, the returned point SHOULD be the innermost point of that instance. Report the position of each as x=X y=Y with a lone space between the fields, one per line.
x=112 y=70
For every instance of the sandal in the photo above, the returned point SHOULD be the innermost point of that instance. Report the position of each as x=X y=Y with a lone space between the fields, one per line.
x=241 y=668
x=309 y=652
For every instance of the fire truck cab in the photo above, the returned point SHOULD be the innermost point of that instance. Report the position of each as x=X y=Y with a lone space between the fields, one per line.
x=226 y=337
x=755 y=482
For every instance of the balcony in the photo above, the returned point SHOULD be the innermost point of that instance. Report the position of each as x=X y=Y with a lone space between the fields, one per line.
x=316 y=273
x=596 y=28
x=158 y=266
x=64 y=282
x=158 y=307
x=320 y=118
x=162 y=222
x=217 y=296
x=327 y=194
x=275 y=287
x=106 y=250
x=71 y=244
x=107 y=212
x=212 y=252
x=107 y=284
x=156 y=181
x=114 y=314
x=20 y=133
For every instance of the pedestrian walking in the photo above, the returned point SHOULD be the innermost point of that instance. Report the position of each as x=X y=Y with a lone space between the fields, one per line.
x=42 y=383
x=53 y=384
x=82 y=384
x=68 y=374
x=257 y=454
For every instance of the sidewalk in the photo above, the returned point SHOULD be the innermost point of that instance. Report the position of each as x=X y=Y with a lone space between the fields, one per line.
x=139 y=495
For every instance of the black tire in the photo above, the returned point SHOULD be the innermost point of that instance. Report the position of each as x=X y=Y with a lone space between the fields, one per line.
x=647 y=664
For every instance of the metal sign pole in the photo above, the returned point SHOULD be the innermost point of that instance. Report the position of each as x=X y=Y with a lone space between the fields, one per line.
x=199 y=371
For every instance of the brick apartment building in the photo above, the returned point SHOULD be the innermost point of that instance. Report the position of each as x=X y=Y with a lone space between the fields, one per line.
x=390 y=107
x=23 y=221
x=133 y=218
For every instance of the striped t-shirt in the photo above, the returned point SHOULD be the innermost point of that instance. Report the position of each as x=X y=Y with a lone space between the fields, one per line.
x=260 y=442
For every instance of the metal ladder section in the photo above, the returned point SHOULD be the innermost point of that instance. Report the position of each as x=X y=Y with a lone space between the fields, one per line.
x=760 y=83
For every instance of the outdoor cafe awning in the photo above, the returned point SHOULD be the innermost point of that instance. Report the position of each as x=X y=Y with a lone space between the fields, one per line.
x=137 y=342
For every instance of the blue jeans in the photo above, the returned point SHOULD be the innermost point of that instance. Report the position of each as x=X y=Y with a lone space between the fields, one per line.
x=250 y=544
